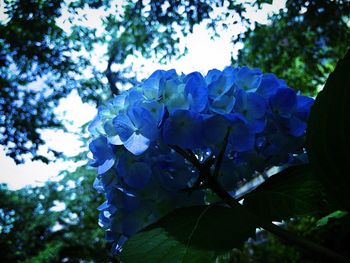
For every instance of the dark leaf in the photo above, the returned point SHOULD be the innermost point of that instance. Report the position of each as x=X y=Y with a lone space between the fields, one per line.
x=292 y=192
x=328 y=134
x=193 y=234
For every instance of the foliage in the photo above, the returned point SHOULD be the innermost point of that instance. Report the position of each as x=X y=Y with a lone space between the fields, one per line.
x=293 y=192
x=334 y=235
x=190 y=235
x=34 y=228
x=31 y=46
x=301 y=43
x=40 y=63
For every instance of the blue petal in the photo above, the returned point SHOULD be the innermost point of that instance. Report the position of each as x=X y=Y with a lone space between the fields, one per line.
x=304 y=104
x=117 y=246
x=102 y=152
x=123 y=127
x=156 y=109
x=251 y=105
x=103 y=221
x=214 y=129
x=283 y=102
x=183 y=128
x=137 y=144
x=108 y=164
x=296 y=127
x=248 y=79
x=222 y=84
x=95 y=126
x=212 y=76
x=144 y=122
x=123 y=200
x=197 y=91
x=134 y=95
x=223 y=104
x=257 y=125
x=112 y=135
x=268 y=86
x=97 y=185
x=241 y=138
x=103 y=206
x=153 y=84
x=138 y=175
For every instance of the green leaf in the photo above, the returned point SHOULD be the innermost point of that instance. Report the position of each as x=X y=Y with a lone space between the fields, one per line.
x=328 y=141
x=192 y=234
x=324 y=220
x=292 y=192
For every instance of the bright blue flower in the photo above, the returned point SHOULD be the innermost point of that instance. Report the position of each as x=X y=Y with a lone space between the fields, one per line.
x=283 y=102
x=221 y=83
x=173 y=95
x=123 y=199
x=196 y=91
x=224 y=103
x=215 y=128
x=140 y=135
x=103 y=154
x=268 y=86
x=168 y=170
x=248 y=79
x=135 y=173
x=156 y=109
x=136 y=129
x=212 y=75
x=253 y=107
x=183 y=128
x=242 y=137
x=304 y=104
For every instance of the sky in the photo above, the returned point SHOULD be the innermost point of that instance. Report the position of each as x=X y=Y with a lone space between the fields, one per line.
x=203 y=54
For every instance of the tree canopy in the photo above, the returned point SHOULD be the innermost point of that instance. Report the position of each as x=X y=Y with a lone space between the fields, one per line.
x=301 y=44
x=42 y=63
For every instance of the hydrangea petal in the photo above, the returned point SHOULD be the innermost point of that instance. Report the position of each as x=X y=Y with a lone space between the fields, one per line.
x=123 y=127
x=197 y=91
x=137 y=144
x=183 y=129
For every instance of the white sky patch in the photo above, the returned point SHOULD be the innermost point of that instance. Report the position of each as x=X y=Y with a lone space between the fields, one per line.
x=30 y=173
x=203 y=54
x=71 y=110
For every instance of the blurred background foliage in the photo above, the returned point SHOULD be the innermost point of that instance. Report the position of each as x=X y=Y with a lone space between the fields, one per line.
x=40 y=63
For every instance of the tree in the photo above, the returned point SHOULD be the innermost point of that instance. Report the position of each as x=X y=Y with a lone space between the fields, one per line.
x=33 y=50
x=37 y=68
x=301 y=44
x=53 y=223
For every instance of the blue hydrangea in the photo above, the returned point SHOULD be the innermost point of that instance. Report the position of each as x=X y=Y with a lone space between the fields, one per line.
x=138 y=136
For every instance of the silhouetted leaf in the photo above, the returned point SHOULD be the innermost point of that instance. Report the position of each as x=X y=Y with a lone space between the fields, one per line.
x=328 y=141
x=193 y=234
x=292 y=192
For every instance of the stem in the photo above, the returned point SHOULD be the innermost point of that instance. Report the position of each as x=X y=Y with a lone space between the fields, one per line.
x=189 y=156
x=221 y=155
x=282 y=233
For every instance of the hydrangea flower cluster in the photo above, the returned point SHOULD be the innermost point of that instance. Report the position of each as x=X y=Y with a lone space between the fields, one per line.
x=138 y=136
